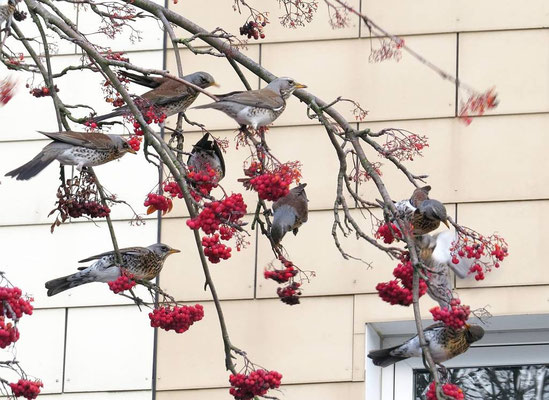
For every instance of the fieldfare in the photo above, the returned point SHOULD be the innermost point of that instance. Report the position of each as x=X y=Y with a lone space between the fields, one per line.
x=6 y=12
x=257 y=107
x=289 y=213
x=434 y=252
x=74 y=148
x=444 y=343
x=167 y=96
x=143 y=262
x=423 y=213
x=206 y=153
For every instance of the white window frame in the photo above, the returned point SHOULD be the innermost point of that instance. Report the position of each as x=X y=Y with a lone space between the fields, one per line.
x=519 y=346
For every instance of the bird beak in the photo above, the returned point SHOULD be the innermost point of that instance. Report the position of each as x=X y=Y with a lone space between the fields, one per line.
x=300 y=86
x=130 y=150
x=173 y=251
x=216 y=84
x=446 y=223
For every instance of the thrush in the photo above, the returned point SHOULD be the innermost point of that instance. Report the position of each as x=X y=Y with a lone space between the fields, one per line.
x=289 y=213
x=74 y=148
x=423 y=213
x=6 y=11
x=435 y=253
x=206 y=153
x=444 y=343
x=143 y=262
x=257 y=107
x=167 y=96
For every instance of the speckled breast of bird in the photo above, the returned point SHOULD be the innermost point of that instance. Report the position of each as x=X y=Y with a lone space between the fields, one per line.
x=178 y=106
x=146 y=266
x=456 y=342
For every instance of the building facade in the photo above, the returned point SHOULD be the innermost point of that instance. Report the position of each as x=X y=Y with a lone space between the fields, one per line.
x=492 y=175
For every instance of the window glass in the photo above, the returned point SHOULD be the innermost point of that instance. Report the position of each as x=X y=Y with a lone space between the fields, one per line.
x=518 y=382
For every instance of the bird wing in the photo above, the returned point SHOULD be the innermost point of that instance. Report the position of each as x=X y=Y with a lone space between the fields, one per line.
x=263 y=98
x=98 y=141
x=434 y=326
x=135 y=251
x=169 y=91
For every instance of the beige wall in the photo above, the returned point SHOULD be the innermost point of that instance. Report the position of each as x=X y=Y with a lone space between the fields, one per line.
x=492 y=175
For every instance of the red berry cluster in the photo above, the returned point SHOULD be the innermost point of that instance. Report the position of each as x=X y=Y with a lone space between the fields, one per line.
x=289 y=294
x=253 y=29
x=448 y=389
x=271 y=185
x=157 y=202
x=152 y=117
x=42 y=92
x=388 y=233
x=257 y=383
x=229 y=210
x=7 y=89
x=214 y=250
x=116 y=56
x=455 y=317
x=477 y=104
x=19 y=15
x=282 y=275
x=476 y=247
x=124 y=282
x=90 y=124
x=27 y=389
x=203 y=181
x=173 y=189
x=178 y=319
x=400 y=292
x=135 y=142
x=14 y=306
x=8 y=333
x=92 y=209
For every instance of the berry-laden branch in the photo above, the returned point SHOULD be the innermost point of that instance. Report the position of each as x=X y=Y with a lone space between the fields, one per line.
x=14 y=306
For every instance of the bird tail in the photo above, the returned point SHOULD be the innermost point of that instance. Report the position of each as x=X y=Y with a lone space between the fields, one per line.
x=140 y=79
x=283 y=221
x=383 y=357
x=116 y=113
x=32 y=168
x=59 y=285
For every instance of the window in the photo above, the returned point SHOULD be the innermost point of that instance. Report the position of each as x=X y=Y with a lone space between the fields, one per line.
x=511 y=362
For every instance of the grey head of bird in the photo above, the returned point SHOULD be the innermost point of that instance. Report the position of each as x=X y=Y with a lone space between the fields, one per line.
x=300 y=190
x=201 y=79
x=162 y=250
x=121 y=145
x=474 y=333
x=284 y=86
x=433 y=210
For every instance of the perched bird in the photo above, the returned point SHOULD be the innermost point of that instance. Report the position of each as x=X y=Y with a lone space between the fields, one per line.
x=143 y=262
x=257 y=107
x=207 y=153
x=444 y=343
x=289 y=213
x=74 y=148
x=168 y=96
x=423 y=213
x=6 y=12
x=434 y=252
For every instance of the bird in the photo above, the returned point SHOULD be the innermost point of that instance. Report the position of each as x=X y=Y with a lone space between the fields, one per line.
x=168 y=96
x=444 y=343
x=289 y=213
x=74 y=148
x=6 y=12
x=207 y=153
x=144 y=263
x=423 y=213
x=435 y=253
x=257 y=108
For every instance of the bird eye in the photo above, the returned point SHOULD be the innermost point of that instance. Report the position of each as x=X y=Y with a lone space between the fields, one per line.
x=126 y=145
x=291 y=82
